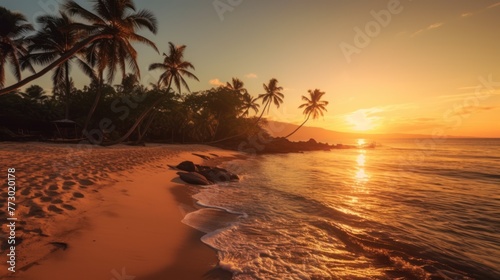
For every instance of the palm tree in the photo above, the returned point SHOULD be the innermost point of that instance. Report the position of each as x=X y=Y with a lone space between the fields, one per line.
x=119 y=19
x=53 y=40
x=273 y=95
x=12 y=43
x=35 y=93
x=248 y=104
x=314 y=106
x=237 y=85
x=175 y=68
x=116 y=21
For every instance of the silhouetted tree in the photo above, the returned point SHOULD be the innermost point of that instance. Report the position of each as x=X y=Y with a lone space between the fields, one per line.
x=314 y=106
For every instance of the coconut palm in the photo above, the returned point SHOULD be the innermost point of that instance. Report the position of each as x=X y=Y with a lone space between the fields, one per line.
x=12 y=43
x=313 y=106
x=54 y=39
x=119 y=19
x=111 y=32
x=237 y=85
x=273 y=95
x=175 y=68
x=249 y=103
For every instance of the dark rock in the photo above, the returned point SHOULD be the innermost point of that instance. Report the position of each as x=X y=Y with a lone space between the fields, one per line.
x=187 y=166
x=216 y=174
x=193 y=178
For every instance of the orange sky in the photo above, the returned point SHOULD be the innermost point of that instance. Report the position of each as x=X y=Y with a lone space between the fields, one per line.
x=387 y=66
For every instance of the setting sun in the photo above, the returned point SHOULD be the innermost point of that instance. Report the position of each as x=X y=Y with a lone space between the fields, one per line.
x=361 y=120
x=361 y=142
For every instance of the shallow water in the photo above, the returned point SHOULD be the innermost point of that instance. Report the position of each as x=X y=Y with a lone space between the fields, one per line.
x=407 y=210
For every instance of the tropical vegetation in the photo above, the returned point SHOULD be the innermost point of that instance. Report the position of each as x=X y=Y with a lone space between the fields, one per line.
x=99 y=41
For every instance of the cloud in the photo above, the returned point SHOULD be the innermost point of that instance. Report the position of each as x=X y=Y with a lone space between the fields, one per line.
x=480 y=94
x=251 y=76
x=374 y=117
x=435 y=25
x=494 y=5
x=430 y=27
x=411 y=125
x=216 y=82
x=469 y=14
x=467 y=110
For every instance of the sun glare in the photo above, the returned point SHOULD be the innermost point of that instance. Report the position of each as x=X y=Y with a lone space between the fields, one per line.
x=361 y=142
x=361 y=121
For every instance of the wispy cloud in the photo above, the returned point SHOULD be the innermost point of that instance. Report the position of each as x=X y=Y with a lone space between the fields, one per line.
x=430 y=27
x=216 y=82
x=468 y=95
x=472 y=109
x=370 y=118
x=435 y=25
x=251 y=76
x=469 y=14
x=493 y=6
x=411 y=125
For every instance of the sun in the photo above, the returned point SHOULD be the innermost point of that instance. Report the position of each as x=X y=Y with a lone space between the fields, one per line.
x=360 y=121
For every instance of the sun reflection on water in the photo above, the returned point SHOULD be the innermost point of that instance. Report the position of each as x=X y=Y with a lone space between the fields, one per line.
x=361 y=159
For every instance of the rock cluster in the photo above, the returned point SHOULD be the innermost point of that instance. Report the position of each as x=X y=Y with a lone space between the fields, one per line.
x=204 y=175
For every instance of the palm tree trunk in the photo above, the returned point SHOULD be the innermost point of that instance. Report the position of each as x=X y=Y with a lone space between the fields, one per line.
x=54 y=64
x=140 y=119
x=136 y=124
x=146 y=128
x=234 y=136
x=94 y=106
x=298 y=127
x=68 y=90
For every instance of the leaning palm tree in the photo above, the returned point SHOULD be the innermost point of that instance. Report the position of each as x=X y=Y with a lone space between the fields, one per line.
x=249 y=103
x=12 y=43
x=55 y=38
x=273 y=95
x=119 y=19
x=175 y=68
x=111 y=32
x=313 y=106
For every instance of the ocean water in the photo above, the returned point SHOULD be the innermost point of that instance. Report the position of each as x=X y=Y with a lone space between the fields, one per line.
x=409 y=209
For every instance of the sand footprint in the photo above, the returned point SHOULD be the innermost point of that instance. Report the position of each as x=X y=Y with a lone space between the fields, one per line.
x=26 y=191
x=68 y=207
x=85 y=182
x=56 y=209
x=78 y=195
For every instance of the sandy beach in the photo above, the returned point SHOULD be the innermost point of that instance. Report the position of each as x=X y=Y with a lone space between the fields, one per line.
x=104 y=213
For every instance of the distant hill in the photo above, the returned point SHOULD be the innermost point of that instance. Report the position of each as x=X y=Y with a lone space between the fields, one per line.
x=281 y=129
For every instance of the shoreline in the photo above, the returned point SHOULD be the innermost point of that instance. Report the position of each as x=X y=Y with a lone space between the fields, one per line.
x=129 y=223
